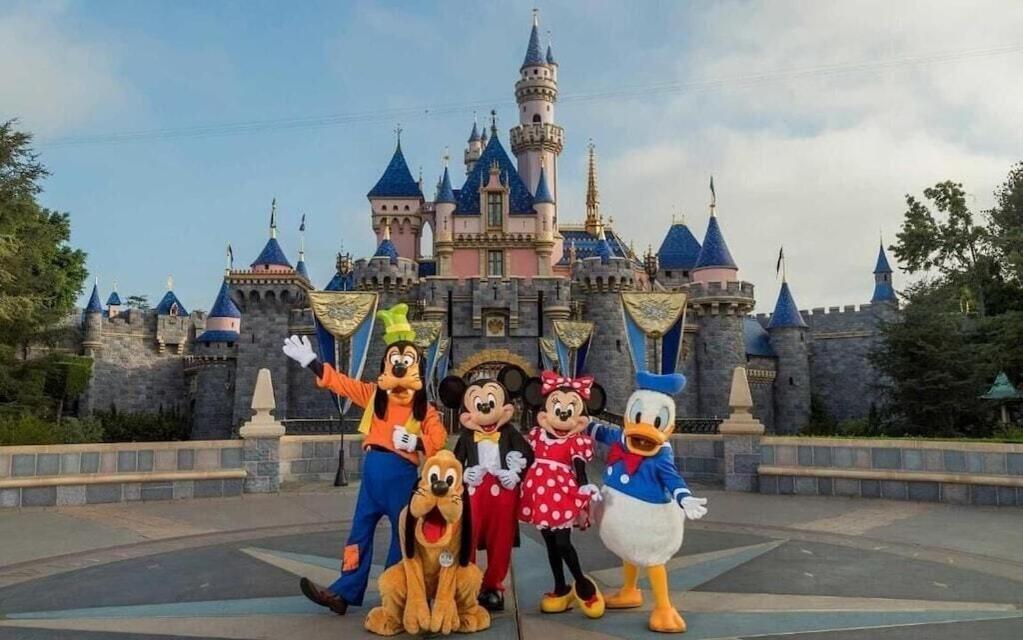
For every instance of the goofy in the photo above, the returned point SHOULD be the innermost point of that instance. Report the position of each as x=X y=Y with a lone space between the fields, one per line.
x=398 y=424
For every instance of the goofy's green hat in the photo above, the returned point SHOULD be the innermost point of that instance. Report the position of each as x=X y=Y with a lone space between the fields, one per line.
x=396 y=324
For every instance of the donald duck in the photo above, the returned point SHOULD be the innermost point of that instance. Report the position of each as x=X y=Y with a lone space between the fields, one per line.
x=645 y=500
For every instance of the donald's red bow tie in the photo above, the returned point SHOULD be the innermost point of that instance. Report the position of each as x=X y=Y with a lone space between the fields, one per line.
x=618 y=453
x=551 y=381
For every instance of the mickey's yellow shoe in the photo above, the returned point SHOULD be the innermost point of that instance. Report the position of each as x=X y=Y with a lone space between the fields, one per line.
x=553 y=603
x=594 y=606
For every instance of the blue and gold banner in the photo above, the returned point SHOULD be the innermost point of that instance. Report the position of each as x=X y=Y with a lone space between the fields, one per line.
x=652 y=316
x=344 y=328
x=548 y=354
x=572 y=343
x=429 y=342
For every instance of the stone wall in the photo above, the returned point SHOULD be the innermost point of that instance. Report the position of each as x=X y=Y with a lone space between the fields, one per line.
x=720 y=347
x=792 y=385
x=315 y=458
x=66 y=475
x=923 y=470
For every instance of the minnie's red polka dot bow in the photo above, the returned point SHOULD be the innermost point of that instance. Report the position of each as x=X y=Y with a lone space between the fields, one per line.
x=551 y=381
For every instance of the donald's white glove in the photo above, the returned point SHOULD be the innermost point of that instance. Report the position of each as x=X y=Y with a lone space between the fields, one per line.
x=299 y=349
x=473 y=476
x=403 y=440
x=591 y=490
x=508 y=478
x=693 y=507
x=516 y=461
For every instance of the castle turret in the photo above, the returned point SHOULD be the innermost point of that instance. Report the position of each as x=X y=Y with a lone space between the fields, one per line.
x=715 y=262
x=213 y=368
x=272 y=257
x=537 y=141
x=113 y=303
x=546 y=224
x=396 y=201
x=883 y=289
x=169 y=304
x=474 y=147
x=594 y=221
x=223 y=324
x=788 y=333
x=677 y=256
x=92 y=323
x=444 y=211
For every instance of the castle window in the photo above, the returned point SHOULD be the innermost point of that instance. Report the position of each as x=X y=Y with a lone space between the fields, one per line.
x=536 y=117
x=383 y=208
x=792 y=382
x=495 y=207
x=667 y=274
x=495 y=263
x=406 y=208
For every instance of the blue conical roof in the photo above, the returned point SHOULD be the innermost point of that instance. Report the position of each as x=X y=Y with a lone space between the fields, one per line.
x=475 y=135
x=94 y=306
x=786 y=313
x=543 y=194
x=397 y=180
x=882 y=262
x=534 y=55
x=113 y=299
x=301 y=270
x=758 y=341
x=680 y=248
x=166 y=305
x=387 y=250
x=883 y=292
x=521 y=201
x=224 y=306
x=341 y=282
x=714 y=252
x=603 y=249
x=272 y=255
x=446 y=193
x=550 y=56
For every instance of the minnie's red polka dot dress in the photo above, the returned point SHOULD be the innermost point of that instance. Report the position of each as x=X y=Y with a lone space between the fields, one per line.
x=550 y=494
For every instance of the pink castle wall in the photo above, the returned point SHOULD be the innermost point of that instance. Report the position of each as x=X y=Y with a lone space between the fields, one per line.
x=715 y=275
x=465 y=263
x=522 y=262
x=223 y=324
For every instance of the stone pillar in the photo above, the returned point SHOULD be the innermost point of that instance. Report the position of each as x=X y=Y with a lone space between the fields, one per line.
x=262 y=436
x=741 y=434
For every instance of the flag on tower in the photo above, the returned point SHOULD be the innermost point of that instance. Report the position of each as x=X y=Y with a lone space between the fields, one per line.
x=781 y=258
x=301 y=227
x=713 y=196
x=230 y=256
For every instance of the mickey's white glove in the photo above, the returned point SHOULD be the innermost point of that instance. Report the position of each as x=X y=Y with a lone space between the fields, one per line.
x=591 y=490
x=473 y=476
x=693 y=507
x=299 y=349
x=508 y=478
x=516 y=461
x=403 y=440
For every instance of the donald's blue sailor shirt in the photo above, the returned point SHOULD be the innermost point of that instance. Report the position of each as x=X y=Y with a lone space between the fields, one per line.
x=656 y=480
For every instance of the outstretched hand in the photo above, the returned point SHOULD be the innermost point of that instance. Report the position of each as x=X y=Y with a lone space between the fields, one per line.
x=693 y=507
x=299 y=349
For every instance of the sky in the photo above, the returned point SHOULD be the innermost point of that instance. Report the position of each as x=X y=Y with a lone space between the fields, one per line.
x=168 y=127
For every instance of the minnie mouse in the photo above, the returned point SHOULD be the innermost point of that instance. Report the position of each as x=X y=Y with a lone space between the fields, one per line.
x=555 y=493
x=494 y=455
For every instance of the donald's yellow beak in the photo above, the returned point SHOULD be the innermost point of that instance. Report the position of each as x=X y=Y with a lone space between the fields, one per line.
x=644 y=439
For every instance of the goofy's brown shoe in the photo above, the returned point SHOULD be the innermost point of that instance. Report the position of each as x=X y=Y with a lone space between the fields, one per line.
x=323 y=597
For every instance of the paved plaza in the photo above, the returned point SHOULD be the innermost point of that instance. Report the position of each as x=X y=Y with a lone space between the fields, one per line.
x=757 y=567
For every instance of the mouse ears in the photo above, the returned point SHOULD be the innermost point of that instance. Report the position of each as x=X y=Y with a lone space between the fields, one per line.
x=452 y=388
x=535 y=392
x=513 y=379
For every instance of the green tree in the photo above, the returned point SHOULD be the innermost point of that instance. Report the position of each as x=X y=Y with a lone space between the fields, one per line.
x=1007 y=224
x=137 y=302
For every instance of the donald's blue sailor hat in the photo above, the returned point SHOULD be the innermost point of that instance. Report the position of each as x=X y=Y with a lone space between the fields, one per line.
x=668 y=384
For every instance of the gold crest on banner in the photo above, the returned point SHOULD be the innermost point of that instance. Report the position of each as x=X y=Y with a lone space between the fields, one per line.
x=573 y=333
x=341 y=312
x=655 y=311
x=427 y=332
x=547 y=346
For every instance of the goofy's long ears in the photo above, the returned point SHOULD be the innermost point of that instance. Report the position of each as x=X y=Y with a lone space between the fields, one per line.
x=465 y=546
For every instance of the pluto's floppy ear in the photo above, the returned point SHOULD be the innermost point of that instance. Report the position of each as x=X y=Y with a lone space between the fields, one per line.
x=410 y=532
x=451 y=391
x=597 y=401
x=532 y=393
x=465 y=543
x=513 y=379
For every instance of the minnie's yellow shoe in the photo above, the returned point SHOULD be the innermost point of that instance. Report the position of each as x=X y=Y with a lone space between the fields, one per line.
x=553 y=603
x=594 y=606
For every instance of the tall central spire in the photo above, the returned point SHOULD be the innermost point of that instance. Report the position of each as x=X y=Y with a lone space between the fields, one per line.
x=593 y=223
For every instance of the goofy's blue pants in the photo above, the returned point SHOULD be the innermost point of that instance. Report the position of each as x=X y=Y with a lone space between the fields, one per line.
x=388 y=481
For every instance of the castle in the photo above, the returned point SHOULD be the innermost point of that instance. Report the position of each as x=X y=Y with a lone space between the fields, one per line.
x=505 y=263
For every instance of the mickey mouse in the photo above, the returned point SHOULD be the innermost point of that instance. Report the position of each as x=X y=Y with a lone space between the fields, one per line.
x=495 y=455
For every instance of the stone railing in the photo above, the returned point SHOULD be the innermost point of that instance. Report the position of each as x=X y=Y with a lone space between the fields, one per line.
x=983 y=473
x=315 y=458
x=78 y=474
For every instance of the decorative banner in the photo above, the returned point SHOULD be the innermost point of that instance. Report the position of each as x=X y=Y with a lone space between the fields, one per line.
x=654 y=315
x=344 y=327
x=572 y=343
x=548 y=354
x=428 y=340
x=443 y=360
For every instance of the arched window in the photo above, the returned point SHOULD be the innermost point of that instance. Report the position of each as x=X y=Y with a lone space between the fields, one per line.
x=406 y=208
x=536 y=117
x=383 y=208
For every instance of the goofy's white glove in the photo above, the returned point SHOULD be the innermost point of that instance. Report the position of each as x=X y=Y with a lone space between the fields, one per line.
x=403 y=440
x=473 y=476
x=516 y=461
x=693 y=507
x=507 y=478
x=591 y=490
x=299 y=349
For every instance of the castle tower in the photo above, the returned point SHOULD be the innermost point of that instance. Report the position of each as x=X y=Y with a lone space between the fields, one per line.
x=213 y=368
x=677 y=255
x=594 y=221
x=714 y=262
x=223 y=324
x=169 y=304
x=272 y=257
x=396 y=202
x=546 y=224
x=300 y=267
x=788 y=333
x=537 y=141
x=444 y=210
x=474 y=147
x=113 y=303
x=884 y=292
x=92 y=323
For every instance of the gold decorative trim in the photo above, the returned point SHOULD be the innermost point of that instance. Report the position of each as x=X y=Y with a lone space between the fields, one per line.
x=655 y=312
x=341 y=312
x=493 y=355
x=573 y=333
x=427 y=332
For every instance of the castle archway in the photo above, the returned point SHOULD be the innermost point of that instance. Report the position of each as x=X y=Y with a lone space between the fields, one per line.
x=488 y=362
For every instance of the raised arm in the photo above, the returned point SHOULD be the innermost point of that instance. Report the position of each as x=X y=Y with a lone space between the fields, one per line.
x=603 y=433
x=301 y=351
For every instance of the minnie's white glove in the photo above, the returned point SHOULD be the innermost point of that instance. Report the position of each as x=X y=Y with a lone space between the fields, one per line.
x=403 y=440
x=591 y=490
x=473 y=476
x=516 y=461
x=508 y=478
x=693 y=507
x=299 y=349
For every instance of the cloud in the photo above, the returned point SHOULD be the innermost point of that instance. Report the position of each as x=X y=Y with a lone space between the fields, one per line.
x=54 y=79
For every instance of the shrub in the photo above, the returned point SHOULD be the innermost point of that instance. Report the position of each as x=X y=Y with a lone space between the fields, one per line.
x=26 y=428
x=143 y=427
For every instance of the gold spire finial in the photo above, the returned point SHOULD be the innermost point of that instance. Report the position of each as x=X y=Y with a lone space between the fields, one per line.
x=592 y=196
x=387 y=232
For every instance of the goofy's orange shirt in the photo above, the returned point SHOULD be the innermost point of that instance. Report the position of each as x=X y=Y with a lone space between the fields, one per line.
x=432 y=431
